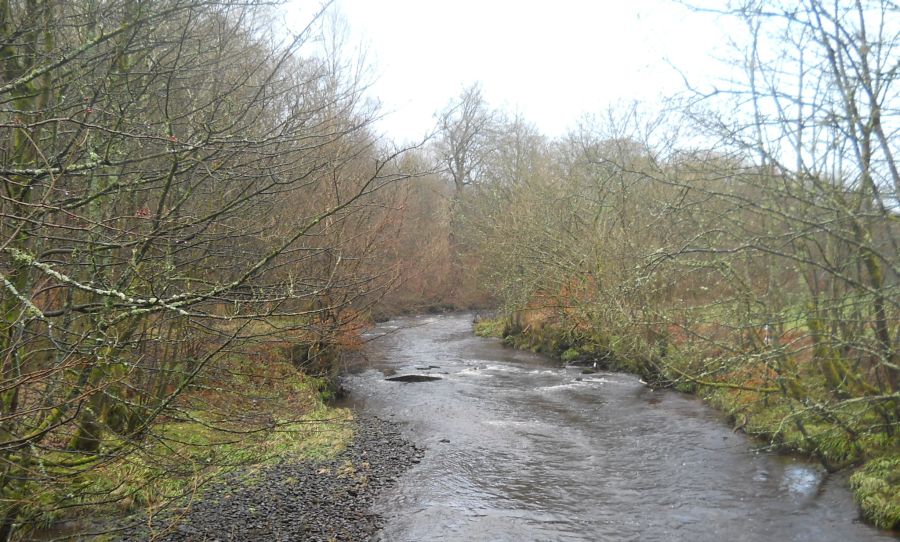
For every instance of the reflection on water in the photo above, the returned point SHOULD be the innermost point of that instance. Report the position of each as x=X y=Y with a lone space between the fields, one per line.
x=802 y=479
x=519 y=449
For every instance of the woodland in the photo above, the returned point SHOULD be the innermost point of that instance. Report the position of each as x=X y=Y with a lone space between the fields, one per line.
x=198 y=220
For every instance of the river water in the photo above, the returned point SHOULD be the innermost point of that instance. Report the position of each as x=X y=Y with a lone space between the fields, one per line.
x=518 y=449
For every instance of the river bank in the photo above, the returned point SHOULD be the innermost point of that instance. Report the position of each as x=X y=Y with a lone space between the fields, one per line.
x=749 y=407
x=325 y=500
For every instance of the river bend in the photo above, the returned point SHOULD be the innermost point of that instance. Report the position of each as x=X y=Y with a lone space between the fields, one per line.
x=521 y=449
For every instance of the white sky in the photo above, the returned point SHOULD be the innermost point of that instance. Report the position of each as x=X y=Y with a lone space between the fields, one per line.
x=553 y=61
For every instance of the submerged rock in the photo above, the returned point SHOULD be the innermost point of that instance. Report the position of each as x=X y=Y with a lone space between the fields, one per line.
x=413 y=378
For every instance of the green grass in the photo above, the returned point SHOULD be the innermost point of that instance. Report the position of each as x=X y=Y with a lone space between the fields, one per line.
x=570 y=355
x=490 y=328
x=876 y=487
x=211 y=433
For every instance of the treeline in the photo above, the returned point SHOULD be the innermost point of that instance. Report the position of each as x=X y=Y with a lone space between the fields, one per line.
x=743 y=244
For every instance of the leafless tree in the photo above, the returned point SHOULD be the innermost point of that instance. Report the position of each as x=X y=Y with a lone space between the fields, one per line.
x=464 y=136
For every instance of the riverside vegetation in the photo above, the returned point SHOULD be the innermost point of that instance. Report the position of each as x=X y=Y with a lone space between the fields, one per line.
x=199 y=221
x=761 y=273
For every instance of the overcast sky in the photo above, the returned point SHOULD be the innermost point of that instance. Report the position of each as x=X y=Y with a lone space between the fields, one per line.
x=552 y=61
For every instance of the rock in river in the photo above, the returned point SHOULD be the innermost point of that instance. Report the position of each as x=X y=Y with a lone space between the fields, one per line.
x=413 y=378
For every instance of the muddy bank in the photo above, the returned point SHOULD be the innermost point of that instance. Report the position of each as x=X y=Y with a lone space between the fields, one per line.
x=328 y=500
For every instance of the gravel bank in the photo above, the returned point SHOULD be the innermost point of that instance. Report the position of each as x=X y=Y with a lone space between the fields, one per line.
x=328 y=500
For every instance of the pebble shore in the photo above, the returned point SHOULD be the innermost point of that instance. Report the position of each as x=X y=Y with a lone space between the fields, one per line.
x=315 y=501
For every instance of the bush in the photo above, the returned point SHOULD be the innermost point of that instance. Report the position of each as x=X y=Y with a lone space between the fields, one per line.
x=570 y=355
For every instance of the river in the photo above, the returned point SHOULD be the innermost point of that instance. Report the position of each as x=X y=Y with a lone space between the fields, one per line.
x=520 y=449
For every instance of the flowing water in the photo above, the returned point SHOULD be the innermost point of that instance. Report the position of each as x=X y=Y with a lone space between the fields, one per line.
x=519 y=449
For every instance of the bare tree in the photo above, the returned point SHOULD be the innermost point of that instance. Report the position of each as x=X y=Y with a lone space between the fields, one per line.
x=464 y=137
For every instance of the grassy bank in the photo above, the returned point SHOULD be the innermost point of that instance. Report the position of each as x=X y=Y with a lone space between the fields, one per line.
x=564 y=343
x=241 y=417
x=762 y=404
